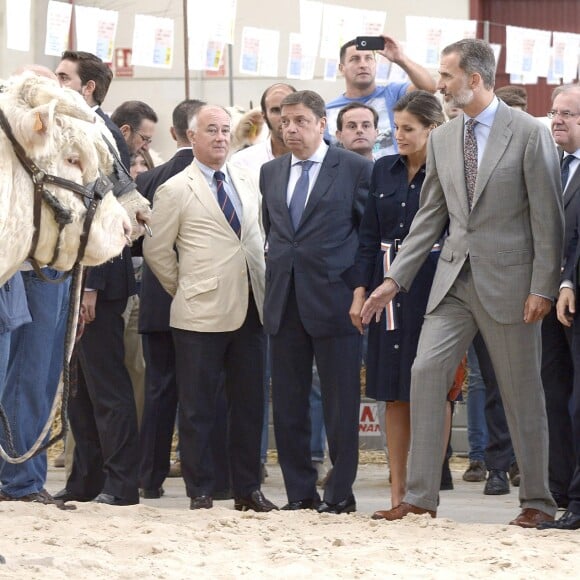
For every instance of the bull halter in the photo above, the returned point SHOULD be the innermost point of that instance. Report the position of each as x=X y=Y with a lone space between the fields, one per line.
x=92 y=197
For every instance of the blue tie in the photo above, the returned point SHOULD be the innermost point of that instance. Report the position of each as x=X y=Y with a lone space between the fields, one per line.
x=565 y=169
x=300 y=194
x=226 y=204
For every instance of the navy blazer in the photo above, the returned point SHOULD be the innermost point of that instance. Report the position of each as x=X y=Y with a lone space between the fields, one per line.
x=571 y=209
x=155 y=302
x=115 y=280
x=323 y=247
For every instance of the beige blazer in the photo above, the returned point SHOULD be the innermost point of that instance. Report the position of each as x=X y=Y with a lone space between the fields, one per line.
x=514 y=232
x=199 y=259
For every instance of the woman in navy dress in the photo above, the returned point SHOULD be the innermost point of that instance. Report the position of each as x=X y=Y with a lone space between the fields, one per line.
x=392 y=204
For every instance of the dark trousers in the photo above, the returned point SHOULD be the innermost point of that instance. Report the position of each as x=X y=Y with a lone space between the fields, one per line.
x=574 y=488
x=338 y=362
x=102 y=412
x=205 y=361
x=558 y=382
x=160 y=408
x=499 y=453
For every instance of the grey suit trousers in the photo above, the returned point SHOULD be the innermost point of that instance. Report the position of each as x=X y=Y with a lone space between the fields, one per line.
x=515 y=351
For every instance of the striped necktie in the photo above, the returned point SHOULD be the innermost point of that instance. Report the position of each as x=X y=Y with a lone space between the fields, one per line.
x=226 y=204
x=565 y=169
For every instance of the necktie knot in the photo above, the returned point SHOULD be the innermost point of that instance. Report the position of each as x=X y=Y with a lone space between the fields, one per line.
x=219 y=176
x=306 y=165
x=470 y=124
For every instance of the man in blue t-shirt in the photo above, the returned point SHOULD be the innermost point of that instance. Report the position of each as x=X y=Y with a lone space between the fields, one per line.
x=359 y=69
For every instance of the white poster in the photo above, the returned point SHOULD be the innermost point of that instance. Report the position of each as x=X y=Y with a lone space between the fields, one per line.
x=427 y=37
x=153 y=40
x=566 y=47
x=58 y=20
x=95 y=31
x=18 y=25
x=259 y=51
x=310 y=24
x=300 y=63
x=214 y=20
x=527 y=52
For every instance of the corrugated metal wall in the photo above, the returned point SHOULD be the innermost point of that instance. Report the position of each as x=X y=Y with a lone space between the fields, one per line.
x=558 y=15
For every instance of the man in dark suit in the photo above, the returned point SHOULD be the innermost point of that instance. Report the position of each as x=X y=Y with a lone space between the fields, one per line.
x=313 y=200
x=566 y=310
x=160 y=383
x=102 y=413
x=557 y=365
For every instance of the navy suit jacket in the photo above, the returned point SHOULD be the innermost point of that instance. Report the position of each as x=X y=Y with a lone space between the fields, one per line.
x=155 y=302
x=571 y=209
x=324 y=246
x=115 y=280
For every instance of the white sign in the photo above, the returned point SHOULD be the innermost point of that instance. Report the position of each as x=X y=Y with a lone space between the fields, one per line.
x=259 y=51
x=527 y=52
x=153 y=41
x=95 y=31
x=57 y=28
x=18 y=25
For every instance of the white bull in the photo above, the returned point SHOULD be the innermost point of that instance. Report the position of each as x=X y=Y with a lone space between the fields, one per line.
x=59 y=133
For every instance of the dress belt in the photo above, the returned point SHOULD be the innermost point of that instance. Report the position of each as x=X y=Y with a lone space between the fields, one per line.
x=395 y=245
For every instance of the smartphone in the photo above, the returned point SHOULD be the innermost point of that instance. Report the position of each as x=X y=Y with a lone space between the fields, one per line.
x=370 y=43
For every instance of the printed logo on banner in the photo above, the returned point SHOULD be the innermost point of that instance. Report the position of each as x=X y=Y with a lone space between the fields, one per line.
x=369 y=420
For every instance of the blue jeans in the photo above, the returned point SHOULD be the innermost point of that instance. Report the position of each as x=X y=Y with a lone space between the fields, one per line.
x=318 y=434
x=477 y=435
x=4 y=354
x=35 y=364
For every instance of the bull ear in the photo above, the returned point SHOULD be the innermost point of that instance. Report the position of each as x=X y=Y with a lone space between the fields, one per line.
x=32 y=127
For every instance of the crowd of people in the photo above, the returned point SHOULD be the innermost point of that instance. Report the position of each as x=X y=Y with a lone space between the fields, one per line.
x=369 y=217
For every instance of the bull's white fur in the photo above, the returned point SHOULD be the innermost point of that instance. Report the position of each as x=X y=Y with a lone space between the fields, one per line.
x=58 y=131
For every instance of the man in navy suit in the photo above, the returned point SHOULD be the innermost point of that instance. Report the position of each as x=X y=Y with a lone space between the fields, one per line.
x=160 y=386
x=313 y=201
x=103 y=417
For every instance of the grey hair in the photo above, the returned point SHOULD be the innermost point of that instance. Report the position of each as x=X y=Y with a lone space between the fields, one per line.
x=475 y=56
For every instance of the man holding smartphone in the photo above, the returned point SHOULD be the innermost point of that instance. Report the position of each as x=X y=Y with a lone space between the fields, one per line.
x=358 y=66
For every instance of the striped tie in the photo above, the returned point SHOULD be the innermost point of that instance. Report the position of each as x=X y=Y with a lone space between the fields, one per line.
x=226 y=204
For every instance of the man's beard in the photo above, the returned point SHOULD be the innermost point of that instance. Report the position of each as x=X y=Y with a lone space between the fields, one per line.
x=462 y=99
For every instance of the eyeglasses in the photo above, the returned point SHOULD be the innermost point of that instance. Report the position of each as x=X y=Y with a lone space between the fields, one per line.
x=144 y=137
x=562 y=114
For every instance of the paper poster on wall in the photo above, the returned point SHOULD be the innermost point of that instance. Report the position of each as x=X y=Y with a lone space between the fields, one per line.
x=300 y=63
x=496 y=51
x=153 y=40
x=95 y=31
x=259 y=51
x=18 y=25
x=205 y=54
x=310 y=23
x=431 y=35
x=527 y=51
x=566 y=48
x=58 y=20
x=214 y=20
x=330 y=69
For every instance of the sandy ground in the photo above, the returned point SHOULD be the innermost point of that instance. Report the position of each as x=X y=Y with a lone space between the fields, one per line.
x=163 y=539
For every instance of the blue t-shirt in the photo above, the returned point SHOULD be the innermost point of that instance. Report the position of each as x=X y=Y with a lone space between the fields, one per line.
x=382 y=100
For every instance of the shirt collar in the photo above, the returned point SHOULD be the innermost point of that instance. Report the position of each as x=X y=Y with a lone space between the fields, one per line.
x=486 y=116
x=208 y=171
x=317 y=156
x=575 y=153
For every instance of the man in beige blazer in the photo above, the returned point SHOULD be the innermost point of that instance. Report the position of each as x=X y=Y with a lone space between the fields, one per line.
x=498 y=272
x=208 y=253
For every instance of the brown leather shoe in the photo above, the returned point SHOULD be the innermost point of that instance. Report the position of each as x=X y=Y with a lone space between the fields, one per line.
x=399 y=512
x=530 y=518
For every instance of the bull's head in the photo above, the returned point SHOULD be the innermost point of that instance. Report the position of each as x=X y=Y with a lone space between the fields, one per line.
x=59 y=133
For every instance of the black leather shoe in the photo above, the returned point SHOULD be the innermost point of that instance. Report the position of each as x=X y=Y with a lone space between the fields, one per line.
x=201 y=502
x=346 y=506
x=256 y=501
x=154 y=493
x=568 y=521
x=302 y=504
x=65 y=495
x=109 y=499
x=497 y=483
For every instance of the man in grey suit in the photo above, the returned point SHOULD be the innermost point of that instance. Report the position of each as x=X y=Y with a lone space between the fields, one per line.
x=313 y=201
x=492 y=176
